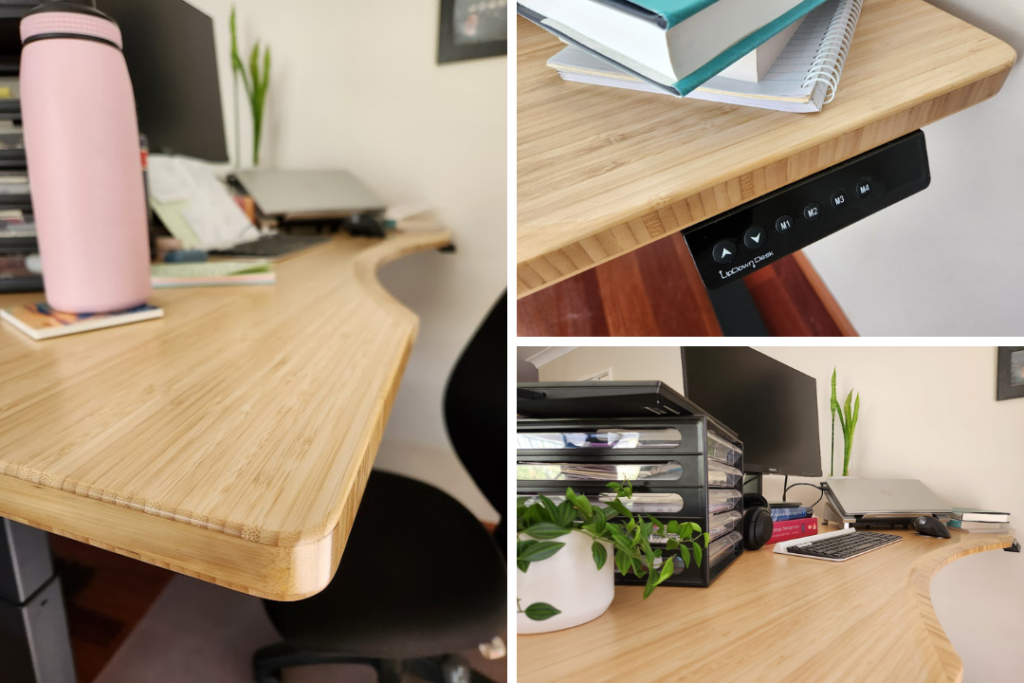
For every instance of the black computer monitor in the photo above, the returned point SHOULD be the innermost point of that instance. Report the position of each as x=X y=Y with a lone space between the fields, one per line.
x=772 y=407
x=172 y=60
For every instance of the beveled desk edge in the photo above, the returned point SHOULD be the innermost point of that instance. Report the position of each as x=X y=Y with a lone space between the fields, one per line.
x=275 y=572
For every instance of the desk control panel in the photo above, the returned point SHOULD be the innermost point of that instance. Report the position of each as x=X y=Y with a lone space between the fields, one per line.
x=733 y=244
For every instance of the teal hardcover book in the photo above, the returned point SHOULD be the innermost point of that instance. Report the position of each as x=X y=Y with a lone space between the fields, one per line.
x=674 y=44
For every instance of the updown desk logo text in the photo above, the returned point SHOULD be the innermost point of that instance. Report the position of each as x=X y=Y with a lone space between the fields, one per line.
x=752 y=263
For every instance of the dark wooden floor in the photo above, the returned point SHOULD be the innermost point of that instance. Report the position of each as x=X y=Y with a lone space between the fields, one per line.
x=105 y=595
x=656 y=291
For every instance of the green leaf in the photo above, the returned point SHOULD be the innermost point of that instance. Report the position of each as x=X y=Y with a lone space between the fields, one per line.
x=599 y=521
x=684 y=553
x=545 y=530
x=523 y=545
x=623 y=544
x=523 y=566
x=638 y=567
x=856 y=413
x=541 y=551
x=667 y=568
x=622 y=562
x=707 y=539
x=597 y=549
x=565 y=514
x=539 y=611
x=698 y=553
x=652 y=582
x=620 y=508
x=550 y=510
x=673 y=527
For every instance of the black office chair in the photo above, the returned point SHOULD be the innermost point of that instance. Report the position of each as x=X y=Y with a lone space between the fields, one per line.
x=404 y=602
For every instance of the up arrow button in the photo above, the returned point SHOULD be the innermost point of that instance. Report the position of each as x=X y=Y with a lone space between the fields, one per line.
x=724 y=251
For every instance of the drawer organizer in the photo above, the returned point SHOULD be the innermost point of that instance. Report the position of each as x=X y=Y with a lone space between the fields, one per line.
x=686 y=467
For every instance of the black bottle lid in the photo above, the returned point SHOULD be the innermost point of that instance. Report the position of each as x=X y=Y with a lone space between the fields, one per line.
x=76 y=6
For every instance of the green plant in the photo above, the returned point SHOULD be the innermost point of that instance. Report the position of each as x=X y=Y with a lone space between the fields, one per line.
x=847 y=422
x=630 y=538
x=256 y=82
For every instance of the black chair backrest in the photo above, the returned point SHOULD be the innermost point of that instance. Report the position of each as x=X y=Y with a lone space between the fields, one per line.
x=475 y=406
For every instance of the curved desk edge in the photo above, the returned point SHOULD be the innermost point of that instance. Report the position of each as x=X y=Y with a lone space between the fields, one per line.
x=919 y=586
x=277 y=568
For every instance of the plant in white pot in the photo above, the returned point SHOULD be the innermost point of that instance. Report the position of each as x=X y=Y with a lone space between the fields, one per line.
x=564 y=577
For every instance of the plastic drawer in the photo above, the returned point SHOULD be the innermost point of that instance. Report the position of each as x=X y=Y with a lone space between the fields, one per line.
x=723 y=500
x=723 y=523
x=636 y=473
x=721 y=475
x=723 y=451
x=724 y=548
x=600 y=439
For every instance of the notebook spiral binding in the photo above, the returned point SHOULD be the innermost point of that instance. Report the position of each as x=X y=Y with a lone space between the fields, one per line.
x=828 y=65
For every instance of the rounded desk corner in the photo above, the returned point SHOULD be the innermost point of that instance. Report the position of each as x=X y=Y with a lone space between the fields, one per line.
x=919 y=587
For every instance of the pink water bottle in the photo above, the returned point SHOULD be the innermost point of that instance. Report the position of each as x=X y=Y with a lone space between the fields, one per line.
x=84 y=162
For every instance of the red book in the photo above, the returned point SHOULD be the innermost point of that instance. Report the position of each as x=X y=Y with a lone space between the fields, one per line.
x=794 y=528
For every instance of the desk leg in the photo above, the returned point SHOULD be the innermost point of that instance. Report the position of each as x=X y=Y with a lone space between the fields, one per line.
x=34 y=643
x=736 y=311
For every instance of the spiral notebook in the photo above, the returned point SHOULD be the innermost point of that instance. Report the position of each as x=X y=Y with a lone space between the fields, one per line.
x=803 y=78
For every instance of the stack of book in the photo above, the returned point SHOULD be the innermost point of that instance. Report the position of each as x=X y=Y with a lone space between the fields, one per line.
x=792 y=522
x=20 y=266
x=785 y=55
x=974 y=520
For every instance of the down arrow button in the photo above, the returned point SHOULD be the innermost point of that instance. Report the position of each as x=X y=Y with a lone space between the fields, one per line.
x=755 y=238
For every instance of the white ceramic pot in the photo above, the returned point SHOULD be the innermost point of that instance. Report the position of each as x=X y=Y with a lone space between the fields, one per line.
x=569 y=581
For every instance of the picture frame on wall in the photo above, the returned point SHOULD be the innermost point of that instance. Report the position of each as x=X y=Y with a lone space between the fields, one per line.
x=471 y=29
x=1010 y=369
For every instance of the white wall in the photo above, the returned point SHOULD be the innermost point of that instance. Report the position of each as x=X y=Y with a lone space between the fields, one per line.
x=926 y=413
x=356 y=85
x=946 y=262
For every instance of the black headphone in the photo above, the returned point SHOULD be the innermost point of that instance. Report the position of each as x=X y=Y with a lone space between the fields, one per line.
x=757 y=521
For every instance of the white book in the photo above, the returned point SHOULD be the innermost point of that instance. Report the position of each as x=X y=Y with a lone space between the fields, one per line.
x=803 y=78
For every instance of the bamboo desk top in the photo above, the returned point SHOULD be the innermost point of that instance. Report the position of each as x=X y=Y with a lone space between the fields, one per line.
x=771 y=618
x=603 y=171
x=230 y=440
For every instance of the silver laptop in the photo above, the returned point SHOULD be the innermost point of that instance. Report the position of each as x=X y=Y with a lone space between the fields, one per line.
x=884 y=497
x=315 y=193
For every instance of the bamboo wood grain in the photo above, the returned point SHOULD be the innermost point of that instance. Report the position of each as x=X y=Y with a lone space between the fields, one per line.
x=772 y=618
x=603 y=171
x=229 y=441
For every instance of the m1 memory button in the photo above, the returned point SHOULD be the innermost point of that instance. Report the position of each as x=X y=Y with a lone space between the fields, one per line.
x=783 y=224
x=724 y=251
x=838 y=200
x=812 y=211
x=755 y=238
x=863 y=187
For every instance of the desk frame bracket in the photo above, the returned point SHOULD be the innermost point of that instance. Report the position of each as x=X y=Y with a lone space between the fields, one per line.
x=35 y=646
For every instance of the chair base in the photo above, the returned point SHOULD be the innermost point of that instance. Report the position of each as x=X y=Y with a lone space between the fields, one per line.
x=271 y=660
